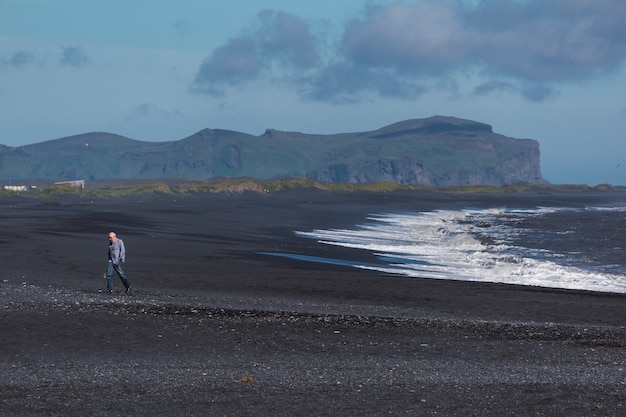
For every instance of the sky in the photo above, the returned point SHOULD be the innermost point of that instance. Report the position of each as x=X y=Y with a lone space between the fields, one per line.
x=161 y=70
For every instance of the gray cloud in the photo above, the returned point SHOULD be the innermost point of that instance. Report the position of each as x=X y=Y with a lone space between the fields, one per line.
x=18 y=59
x=286 y=37
x=394 y=50
x=74 y=57
x=530 y=91
x=538 y=92
x=230 y=64
x=540 y=41
x=279 y=38
x=493 y=86
x=344 y=82
x=552 y=40
x=425 y=38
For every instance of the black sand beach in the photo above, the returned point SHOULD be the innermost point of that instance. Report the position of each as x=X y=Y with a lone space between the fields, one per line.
x=217 y=329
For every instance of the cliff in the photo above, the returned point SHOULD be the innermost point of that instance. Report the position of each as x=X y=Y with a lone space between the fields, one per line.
x=436 y=151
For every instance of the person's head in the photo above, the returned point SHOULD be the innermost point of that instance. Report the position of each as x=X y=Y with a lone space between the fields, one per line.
x=112 y=236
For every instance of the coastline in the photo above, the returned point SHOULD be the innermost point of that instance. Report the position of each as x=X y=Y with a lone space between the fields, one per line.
x=215 y=328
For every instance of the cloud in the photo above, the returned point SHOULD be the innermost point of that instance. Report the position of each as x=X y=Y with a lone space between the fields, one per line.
x=494 y=86
x=397 y=49
x=551 y=40
x=534 y=40
x=346 y=83
x=530 y=91
x=279 y=39
x=18 y=59
x=538 y=93
x=286 y=37
x=74 y=57
x=425 y=38
x=230 y=64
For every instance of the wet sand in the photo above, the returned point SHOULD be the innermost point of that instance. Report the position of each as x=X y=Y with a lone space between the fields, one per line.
x=215 y=328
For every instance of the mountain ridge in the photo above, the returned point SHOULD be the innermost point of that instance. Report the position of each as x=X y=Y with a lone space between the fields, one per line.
x=434 y=151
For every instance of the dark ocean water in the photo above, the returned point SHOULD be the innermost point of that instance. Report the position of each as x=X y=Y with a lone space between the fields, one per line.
x=576 y=248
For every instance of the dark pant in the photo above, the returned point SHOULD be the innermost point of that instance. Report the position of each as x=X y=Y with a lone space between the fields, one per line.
x=119 y=268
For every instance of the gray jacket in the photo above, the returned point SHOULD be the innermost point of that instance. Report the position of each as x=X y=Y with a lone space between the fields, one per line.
x=117 y=252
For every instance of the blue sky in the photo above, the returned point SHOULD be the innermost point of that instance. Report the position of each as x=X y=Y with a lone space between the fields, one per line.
x=156 y=70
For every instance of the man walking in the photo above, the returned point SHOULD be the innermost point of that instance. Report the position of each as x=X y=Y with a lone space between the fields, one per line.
x=117 y=256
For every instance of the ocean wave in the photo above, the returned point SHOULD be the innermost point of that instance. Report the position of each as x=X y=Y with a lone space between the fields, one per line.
x=513 y=246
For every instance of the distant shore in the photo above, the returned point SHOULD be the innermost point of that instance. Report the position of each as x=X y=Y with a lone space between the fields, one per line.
x=219 y=184
x=216 y=328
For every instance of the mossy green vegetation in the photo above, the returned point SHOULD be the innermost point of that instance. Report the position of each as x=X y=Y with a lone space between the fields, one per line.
x=248 y=185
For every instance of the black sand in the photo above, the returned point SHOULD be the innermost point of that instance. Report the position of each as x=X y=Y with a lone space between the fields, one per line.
x=216 y=329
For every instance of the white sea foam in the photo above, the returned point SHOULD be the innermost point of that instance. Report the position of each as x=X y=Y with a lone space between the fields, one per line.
x=444 y=245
